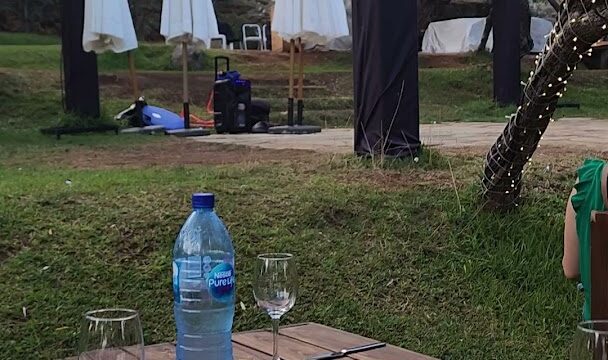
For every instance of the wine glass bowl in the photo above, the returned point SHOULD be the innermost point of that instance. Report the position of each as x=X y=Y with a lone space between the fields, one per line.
x=111 y=334
x=590 y=341
x=275 y=287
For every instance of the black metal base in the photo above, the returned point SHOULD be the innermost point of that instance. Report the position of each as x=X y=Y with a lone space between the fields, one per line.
x=300 y=118
x=290 y=111
x=569 y=106
x=58 y=131
x=189 y=132
x=294 y=129
x=152 y=129
x=186 y=115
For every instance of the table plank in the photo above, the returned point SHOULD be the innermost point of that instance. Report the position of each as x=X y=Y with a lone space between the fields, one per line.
x=160 y=352
x=289 y=348
x=167 y=352
x=296 y=343
x=336 y=340
x=244 y=353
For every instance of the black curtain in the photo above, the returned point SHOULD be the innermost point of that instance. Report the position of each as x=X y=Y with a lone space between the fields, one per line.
x=80 y=68
x=385 y=52
x=507 y=47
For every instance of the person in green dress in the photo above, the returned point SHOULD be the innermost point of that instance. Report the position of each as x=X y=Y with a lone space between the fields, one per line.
x=590 y=194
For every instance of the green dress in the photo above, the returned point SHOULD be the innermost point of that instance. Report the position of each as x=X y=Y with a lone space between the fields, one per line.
x=588 y=198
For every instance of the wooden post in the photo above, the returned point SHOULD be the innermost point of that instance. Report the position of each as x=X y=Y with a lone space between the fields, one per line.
x=133 y=75
x=300 y=117
x=301 y=70
x=185 y=85
x=292 y=55
x=292 y=49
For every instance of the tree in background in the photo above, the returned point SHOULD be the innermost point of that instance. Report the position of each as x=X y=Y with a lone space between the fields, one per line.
x=428 y=10
x=42 y=16
x=146 y=19
x=580 y=24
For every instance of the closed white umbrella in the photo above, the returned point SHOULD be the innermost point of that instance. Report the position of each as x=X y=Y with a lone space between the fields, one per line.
x=315 y=22
x=108 y=26
x=188 y=22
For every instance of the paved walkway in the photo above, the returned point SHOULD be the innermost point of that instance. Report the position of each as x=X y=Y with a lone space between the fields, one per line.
x=575 y=132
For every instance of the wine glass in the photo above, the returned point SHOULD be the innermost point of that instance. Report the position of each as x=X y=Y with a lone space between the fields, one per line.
x=111 y=334
x=590 y=341
x=275 y=288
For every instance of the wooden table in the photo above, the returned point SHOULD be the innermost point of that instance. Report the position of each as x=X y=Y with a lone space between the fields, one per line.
x=296 y=343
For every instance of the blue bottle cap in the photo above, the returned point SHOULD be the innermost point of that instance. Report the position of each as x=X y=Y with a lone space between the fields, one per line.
x=203 y=201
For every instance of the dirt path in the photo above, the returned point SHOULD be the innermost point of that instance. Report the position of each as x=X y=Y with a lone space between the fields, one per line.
x=574 y=134
x=168 y=152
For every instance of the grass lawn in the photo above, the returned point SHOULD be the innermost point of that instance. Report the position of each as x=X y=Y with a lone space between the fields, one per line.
x=7 y=38
x=387 y=253
x=401 y=253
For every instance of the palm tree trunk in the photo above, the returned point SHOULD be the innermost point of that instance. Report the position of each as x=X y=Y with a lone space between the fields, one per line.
x=580 y=24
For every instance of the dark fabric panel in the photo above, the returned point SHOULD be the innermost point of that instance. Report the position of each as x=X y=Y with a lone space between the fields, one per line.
x=385 y=52
x=507 y=47
x=80 y=68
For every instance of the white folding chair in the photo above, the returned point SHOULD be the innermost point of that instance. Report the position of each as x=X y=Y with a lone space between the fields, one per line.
x=265 y=36
x=221 y=38
x=252 y=33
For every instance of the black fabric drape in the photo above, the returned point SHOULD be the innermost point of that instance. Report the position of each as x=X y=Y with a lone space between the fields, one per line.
x=507 y=69
x=385 y=51
x=80 y=68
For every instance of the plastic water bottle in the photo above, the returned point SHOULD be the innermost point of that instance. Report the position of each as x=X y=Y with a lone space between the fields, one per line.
x=203 y=285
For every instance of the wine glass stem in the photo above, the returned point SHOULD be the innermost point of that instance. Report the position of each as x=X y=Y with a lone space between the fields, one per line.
x=275 y=339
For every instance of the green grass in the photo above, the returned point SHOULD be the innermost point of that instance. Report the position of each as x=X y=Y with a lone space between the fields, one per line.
x=465 y=94
x=47 y=57
x=7 y=38
x=402 y=264
x=446 y=94
x=31 y=51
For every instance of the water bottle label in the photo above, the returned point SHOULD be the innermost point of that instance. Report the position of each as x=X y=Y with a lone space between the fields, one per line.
x=221 y=282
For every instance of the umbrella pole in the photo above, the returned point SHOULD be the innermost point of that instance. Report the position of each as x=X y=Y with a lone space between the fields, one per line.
x=185 y=85
x=292 y=50
x=301 y=84
x=133 y=75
